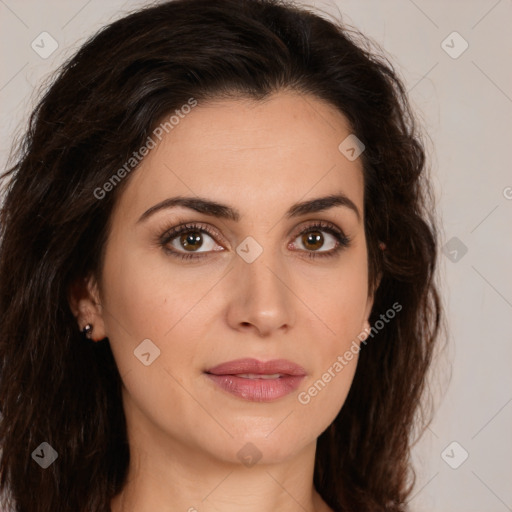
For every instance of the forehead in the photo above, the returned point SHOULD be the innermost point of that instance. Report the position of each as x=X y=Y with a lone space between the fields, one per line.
x=257 y=155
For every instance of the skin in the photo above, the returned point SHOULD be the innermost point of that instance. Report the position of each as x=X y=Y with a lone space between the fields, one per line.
x=259 y=157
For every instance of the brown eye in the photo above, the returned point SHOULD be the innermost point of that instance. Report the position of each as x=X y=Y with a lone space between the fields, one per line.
x=313 y=240
x=320 y=240
x=191 y=241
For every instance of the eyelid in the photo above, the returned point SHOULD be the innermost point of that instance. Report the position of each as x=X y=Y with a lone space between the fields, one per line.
x=342 y=241
x=180 y=226
x=318 y=224
x=305 y=227
x=183 y=227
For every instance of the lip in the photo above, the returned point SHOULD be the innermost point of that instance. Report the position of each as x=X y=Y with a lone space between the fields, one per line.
x=254 y=366
x=226 y=376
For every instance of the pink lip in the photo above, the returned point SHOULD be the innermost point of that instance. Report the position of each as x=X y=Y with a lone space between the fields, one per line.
x=257 y=390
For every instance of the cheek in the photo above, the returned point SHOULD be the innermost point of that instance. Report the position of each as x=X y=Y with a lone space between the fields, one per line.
x=340 y=302
x=143 y=300
x=148 y=296
x=338 y=299
x=336 y=352
x=146 y=302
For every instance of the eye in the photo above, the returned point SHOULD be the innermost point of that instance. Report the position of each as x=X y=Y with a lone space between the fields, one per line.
x=194 y=241
x=189 y=241
x=321 y=240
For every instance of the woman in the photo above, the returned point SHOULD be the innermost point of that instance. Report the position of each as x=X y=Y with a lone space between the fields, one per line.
x=217 y=271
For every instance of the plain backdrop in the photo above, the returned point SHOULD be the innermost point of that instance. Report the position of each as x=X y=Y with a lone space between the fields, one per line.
x=455 y=57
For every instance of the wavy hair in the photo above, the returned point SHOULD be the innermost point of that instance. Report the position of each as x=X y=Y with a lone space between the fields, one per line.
x=100 y=107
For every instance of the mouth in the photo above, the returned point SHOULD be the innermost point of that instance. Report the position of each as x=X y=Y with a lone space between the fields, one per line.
x=255 y=380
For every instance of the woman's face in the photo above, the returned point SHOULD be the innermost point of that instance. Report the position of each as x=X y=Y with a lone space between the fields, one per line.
x=257 y=282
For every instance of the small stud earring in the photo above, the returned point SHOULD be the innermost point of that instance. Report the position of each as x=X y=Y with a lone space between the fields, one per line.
x=87 y=331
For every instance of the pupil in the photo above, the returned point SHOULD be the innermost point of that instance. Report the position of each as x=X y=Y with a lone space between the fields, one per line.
x=314 y=239
x=191 y=241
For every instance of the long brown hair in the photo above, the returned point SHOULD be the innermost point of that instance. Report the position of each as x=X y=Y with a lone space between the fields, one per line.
x=57 y=388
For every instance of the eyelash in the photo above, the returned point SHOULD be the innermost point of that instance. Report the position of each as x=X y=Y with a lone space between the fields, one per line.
x=343 y=241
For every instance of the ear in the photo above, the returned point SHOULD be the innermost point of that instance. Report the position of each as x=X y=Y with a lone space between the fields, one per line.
x=85 y=304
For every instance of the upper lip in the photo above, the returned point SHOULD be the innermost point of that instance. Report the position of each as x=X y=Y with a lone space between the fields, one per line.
x=242 y=366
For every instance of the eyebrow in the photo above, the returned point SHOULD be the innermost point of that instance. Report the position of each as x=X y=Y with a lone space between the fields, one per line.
x=223 y=211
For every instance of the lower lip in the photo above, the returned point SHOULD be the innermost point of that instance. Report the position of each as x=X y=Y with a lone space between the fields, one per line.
x=257 y=390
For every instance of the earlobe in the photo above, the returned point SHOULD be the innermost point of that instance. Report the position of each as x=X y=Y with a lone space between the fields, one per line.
x=84 y=302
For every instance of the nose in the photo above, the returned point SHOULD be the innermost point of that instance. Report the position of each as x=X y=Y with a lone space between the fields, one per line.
x=261 y=297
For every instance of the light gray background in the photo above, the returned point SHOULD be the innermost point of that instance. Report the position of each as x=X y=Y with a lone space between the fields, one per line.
x=466 y=107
